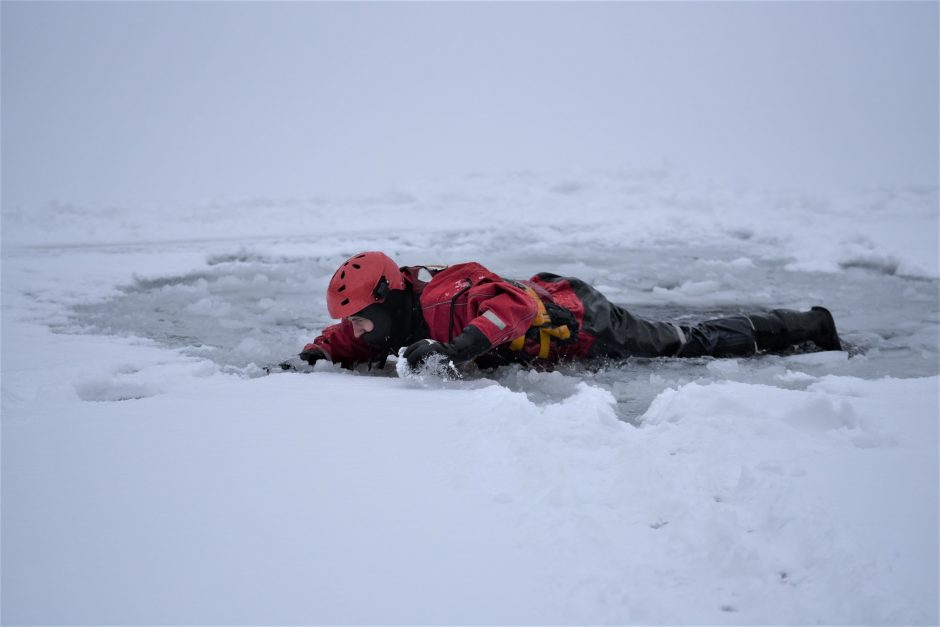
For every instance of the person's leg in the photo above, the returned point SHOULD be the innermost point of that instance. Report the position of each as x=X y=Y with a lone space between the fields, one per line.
x=618 y=333
x=782 y=328
x=721 y=337
x=775 y=330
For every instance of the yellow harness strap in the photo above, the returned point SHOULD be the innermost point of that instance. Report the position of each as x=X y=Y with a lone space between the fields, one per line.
x=542 y=322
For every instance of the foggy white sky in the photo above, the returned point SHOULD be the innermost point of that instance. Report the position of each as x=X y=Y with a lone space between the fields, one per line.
x=136 y=104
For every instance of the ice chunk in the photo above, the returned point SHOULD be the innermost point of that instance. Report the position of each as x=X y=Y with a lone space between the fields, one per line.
x=821 y=358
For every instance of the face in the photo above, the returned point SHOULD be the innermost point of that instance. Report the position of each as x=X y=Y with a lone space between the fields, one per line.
x=360 y=325
x=373 y=325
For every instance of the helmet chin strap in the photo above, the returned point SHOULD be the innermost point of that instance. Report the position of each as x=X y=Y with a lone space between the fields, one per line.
x=381 y=290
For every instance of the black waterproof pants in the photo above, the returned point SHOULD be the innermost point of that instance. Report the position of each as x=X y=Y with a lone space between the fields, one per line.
x=620 y=334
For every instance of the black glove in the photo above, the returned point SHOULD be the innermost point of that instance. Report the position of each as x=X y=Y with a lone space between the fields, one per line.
x=311 y=354
x=469 y=344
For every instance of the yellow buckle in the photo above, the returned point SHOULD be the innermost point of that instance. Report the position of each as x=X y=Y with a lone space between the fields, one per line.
x=546 y=332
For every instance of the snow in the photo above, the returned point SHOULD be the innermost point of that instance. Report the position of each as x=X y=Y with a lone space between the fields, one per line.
x=152 y=473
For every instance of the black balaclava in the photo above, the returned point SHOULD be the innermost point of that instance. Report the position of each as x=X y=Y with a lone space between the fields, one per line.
x=396 y=322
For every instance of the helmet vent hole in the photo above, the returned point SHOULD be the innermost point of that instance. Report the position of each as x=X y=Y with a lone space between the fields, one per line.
x=345 y=302
x=356 y=266
x=360 y=256
x=342 y=274
x=341 y=288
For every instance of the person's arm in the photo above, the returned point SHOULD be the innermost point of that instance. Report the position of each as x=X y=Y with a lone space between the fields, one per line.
x=470 y=344
x=340 y=345
x=501 y=311
x=498 y=312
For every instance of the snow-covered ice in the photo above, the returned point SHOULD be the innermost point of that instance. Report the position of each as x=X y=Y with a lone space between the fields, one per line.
x=153 y=474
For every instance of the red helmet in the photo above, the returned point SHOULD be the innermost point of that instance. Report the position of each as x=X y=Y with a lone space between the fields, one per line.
x=363 y=280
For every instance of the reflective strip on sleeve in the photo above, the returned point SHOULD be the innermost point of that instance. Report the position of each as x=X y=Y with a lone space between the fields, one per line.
x=489 y=315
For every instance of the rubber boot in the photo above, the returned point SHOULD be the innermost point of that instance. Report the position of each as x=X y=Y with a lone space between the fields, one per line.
x=782 y=328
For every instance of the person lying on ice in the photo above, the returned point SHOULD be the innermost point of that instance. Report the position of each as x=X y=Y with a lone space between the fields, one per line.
x=465 y=312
